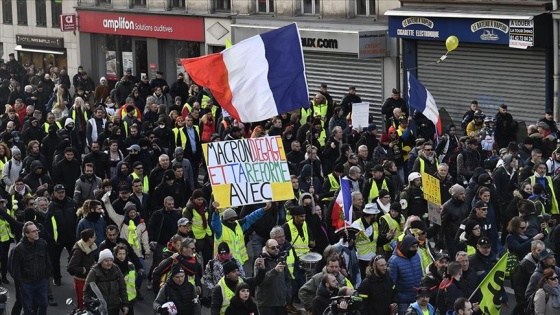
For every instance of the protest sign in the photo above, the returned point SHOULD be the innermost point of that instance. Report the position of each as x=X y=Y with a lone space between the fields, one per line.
x=248 y=171
x=432 y=194
x=360 y=115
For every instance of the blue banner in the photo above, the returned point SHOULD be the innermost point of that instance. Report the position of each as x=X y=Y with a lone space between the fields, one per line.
x=489 y=31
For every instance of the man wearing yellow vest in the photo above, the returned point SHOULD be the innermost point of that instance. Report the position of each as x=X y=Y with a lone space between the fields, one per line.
x=368 y=239
x=419 y=230
x=332 y=183
x=540 y=176
x=378 y=181
x=393 y=221
x=138 y=172
x=427 y=161
x=225 y=289
x=197 y=211
x=230 y=230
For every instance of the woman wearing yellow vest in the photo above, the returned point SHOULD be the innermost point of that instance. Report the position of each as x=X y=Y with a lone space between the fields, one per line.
x=392 y=221
x=197 y=212
x=129 y=272
x=469 y=238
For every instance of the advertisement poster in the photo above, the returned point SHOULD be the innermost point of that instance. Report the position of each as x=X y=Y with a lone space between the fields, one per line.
x=127 y=61
x=111 y=62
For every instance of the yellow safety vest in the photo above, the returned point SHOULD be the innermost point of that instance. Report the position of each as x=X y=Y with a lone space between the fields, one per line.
x=227 y=294
x=395 y=226
x=554 y=209
x=374 y=191
x=366 y=248
x=197 y=128
x=320 y=109
x=198 y=231
x=180 y=133
x=188 y=106
x=235 y=240
x=425 y=258
x=46 y=126
x=322 y=137
x=305 y=112
x=145 y=181
x=471 y=250
x=290 y=262
x=123 y=113
x=405 y=148
x=55 y=229
x=334 y=186
x=74 y=115
x=299 y=242
x=130 y=281
x=422 y=164
x=5 y=229
x=204 y=101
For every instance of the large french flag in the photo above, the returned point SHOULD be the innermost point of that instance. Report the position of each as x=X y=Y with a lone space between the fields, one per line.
x=258 y=78
x=422 y=100
x=341 y=215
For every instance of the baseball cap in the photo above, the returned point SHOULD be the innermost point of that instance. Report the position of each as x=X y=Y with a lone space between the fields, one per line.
x=441 y=255
x=133 y=147
x=484 y=242
x=547 y=252
x=183 y=221
x=480 y=204
x=59 y=188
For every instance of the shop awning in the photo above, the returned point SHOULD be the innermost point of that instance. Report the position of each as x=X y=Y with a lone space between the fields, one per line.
x=464 y=14
x=39 y=50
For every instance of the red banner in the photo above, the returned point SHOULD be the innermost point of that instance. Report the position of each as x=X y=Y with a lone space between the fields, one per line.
x=143 y=25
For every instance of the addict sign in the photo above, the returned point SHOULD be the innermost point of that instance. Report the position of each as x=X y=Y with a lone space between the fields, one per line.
x=248 y=171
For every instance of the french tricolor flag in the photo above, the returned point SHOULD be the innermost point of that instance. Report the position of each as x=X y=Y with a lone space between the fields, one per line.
x=341 y=214
x=258 y=78
x=422 y=100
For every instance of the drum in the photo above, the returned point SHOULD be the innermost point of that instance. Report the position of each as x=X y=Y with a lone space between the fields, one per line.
x=309 y=261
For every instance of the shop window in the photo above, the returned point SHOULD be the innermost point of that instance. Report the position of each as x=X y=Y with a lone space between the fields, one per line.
x=104 y=2
x=222 y=5
x=22 y=12
x=365 y=7
x=139 y=3
x=265 y=6
x=311 y=6
x=41 y=12
x=178 y=3
x=7 y=12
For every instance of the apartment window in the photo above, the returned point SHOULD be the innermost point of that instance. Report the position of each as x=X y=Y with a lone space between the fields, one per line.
x=22 y=12
x=365 y=7
x=104 y=2
x=7 y=12
x=139 y=3
x=56 y=9
x=178 y=3
x=41 y=12
x=222 y=5
x=311 y=6
x=265 y=6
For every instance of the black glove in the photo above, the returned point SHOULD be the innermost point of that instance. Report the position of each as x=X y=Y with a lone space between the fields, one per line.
x=162 y=310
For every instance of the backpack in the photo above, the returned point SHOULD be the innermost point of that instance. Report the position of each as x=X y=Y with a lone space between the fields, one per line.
x=530 y=308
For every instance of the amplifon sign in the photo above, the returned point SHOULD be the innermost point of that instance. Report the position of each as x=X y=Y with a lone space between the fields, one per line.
x=144 y=25
x=68 y=22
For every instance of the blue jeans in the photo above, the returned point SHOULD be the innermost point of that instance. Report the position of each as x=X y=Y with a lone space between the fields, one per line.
x=35 y=292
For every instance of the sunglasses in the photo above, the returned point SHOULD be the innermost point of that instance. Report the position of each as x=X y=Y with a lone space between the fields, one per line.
x=274 y=247
x=553 y=278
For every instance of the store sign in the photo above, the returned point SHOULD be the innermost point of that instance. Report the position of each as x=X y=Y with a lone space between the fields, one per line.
x=521 y=33
x=143 y=25
x=367 y=44
x=68 y=22
x=40 y=41
x=515 y=33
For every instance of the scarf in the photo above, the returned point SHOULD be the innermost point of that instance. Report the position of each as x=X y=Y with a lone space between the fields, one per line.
x=201 y=211
x=123 y=265
x=554 y=294
x=133 y=235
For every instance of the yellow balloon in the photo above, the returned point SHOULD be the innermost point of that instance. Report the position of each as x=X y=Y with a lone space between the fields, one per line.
x=451 y=43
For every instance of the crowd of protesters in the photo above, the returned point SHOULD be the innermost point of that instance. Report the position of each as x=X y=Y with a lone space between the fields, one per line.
x=116 y=176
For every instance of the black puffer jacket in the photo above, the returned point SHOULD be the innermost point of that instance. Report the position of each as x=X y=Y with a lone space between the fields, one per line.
x=454 y=212
x=380 y=294
x=64 y=212
x=182 y=295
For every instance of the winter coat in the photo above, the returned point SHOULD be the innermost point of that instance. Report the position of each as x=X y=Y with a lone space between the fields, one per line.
x=518 y=245
x=64 y=212
x=237 y=307
x=85 y=188
x=30 y=261
x=98 y=224
x=81 y=260
x=323 y=299
x=276 y=287
x=141 y=231
x=454 y=212
x=520 y=278
x=111 y=285
x=535 y=278
x=380 y=294
x=35 y=180
x=182 y=295
x=405 y=272
x=482 y=264
x=308 y=291
x=66 y=173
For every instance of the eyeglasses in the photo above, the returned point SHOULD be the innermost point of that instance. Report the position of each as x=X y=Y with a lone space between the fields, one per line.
x=274 y=247
x=428 y=150
x=553 y=278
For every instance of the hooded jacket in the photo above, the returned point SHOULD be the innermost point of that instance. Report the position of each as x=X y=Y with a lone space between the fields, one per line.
x=96 y=222
x=85 y=188
x=380 y=293
x=111 y=284
x=182 y=295
x=35 y=180
x=406 y=270
x=66 y=173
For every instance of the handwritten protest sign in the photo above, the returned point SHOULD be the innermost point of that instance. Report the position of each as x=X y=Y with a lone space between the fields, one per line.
x=248 y=171
x=432 y=194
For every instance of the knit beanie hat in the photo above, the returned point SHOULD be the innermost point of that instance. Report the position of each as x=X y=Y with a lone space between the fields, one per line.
x=197 y=193
x=176 y=269
x=105 y=254
x=456 y=190
x=229 y=214
x=230 y=266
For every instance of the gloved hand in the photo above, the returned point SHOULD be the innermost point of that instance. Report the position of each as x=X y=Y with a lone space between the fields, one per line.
x=162 y=310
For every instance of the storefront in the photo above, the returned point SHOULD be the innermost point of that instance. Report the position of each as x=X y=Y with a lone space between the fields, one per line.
x=41 y=51
x=145 y=43
x=340 y=58
x=502 y=58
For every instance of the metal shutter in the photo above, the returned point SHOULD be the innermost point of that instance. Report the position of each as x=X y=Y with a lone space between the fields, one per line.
x=343 y=70
x=490 y=74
